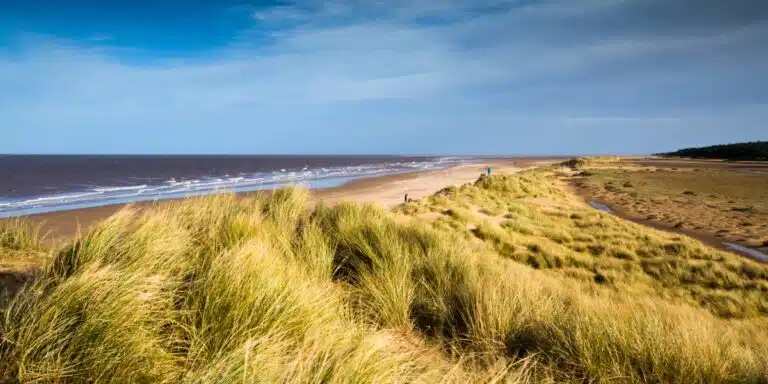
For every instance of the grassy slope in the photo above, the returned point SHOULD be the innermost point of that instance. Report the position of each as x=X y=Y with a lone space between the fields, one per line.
x=507 y=280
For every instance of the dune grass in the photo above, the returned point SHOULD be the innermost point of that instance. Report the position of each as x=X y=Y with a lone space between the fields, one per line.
x=21 y=245
x=545 y=229
x=275 y=289
x=20 y=235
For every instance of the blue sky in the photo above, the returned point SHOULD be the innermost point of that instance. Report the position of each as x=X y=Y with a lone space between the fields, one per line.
x=396 y=76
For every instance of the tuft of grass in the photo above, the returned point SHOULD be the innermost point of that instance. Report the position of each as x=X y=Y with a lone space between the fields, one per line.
x=493 y=212
x=459 y=214
x=20 y=235
x=22 y=247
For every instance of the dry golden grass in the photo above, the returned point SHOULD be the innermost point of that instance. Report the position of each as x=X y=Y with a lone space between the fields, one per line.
x=479 y=283
x=555 y=234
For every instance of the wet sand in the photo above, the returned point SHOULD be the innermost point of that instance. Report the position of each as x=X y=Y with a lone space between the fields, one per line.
x=387 y=191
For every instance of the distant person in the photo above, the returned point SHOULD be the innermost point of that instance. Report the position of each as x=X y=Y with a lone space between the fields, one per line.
x=489 y=171
x=406 y=197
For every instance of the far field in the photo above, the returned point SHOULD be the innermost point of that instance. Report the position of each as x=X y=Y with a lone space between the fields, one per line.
x=727 y=202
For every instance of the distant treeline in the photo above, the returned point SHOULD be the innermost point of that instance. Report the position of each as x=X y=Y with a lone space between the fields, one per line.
x=757 y=150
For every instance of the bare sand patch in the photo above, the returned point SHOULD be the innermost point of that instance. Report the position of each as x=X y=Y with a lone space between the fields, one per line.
x=712 y=201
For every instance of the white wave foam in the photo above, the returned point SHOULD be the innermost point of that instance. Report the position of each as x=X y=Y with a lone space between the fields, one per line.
x=52 y=199
x=100 y=195
x=115 y=189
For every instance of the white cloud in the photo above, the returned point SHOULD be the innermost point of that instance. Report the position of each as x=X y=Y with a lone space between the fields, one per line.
x=337 y=68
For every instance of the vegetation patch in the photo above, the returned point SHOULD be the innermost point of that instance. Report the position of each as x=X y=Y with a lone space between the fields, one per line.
x=274 y=289
x=756 y=150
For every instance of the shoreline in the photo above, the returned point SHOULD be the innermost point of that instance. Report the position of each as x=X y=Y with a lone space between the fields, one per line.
x=386 y=190
x=41 y=188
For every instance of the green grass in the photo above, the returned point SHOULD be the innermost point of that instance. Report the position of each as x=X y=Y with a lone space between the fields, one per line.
x=274 y=289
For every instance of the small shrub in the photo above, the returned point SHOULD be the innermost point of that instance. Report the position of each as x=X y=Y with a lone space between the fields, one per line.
x=575 y=163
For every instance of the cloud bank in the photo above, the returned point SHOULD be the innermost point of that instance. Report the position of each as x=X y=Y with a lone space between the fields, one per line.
x=440 y=76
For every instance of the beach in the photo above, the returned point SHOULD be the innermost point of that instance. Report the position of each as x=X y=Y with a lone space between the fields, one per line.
x=321 y=280
x=387 y=191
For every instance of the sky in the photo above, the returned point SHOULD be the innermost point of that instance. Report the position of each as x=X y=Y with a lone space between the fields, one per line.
x=517 y=77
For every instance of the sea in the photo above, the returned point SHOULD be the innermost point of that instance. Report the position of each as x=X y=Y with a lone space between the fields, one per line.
x=31 y=184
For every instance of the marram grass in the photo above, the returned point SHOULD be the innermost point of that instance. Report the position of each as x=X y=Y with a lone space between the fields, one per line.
x=274 y=289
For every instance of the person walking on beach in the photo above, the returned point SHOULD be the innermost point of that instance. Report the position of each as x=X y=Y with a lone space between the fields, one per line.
x=489 y=171
x=406 y=197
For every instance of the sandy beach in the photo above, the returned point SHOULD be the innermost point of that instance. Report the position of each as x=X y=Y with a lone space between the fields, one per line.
x=387 y=191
